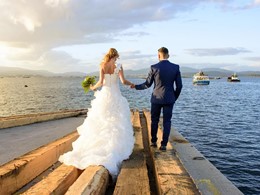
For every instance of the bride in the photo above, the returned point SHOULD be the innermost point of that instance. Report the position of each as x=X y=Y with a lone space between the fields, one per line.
x=106 y=136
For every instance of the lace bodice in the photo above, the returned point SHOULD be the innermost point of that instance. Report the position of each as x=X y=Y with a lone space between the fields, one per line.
x=111 y=80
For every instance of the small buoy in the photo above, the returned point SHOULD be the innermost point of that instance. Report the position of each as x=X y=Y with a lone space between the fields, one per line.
x=25 y=85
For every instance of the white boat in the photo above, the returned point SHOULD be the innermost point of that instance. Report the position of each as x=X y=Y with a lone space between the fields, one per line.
x=233 y=78
x=200 y=79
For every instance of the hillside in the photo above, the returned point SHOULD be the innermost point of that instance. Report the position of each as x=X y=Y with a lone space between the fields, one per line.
x=14 y=71
x=185 y=71
x=20 y=72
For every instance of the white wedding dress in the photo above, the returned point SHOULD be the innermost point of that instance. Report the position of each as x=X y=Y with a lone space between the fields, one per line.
x=106 y=136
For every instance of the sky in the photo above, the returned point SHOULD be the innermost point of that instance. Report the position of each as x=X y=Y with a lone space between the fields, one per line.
x=74 y=35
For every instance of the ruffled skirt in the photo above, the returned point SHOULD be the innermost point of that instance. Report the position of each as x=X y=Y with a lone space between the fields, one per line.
x=106 y=136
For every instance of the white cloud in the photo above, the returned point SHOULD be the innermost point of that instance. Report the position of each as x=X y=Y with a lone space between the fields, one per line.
x=252 y=4
x=55 y=3
x=255 y=3
x=134 y=55
x=57 y=61
x=210 y=65
x=139 y=34
x=44 y=25
x=256 y=59
x=136 y=60
x=216 y=51
x=33 y=29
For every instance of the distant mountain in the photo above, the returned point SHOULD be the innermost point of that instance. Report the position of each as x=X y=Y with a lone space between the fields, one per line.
x=141 y=73
x=187 y=69
x=14 y=71
x=216 y=72
x=249 y=73
x=189 y=72
x=129 y=72
x=72 y=74
x=212 y=72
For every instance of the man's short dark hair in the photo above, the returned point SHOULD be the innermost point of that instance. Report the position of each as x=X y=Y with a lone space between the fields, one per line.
x=163 y=50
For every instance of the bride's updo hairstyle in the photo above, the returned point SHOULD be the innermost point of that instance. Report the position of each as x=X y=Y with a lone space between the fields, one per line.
x=112 y=53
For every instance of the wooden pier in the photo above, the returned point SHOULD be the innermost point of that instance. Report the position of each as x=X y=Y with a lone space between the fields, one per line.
x=147 y=171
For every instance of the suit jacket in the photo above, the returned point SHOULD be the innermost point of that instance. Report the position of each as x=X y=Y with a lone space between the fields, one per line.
x=163 y=75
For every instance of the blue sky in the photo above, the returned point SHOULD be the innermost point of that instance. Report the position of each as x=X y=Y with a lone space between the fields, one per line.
x=73 y=35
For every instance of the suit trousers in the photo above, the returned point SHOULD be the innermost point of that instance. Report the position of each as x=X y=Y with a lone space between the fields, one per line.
x=155 y=117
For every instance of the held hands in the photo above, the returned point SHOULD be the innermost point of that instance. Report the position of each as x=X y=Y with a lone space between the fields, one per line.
x=132 y=86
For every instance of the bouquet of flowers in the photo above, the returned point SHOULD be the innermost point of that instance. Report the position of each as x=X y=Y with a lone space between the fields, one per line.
x=89 y=80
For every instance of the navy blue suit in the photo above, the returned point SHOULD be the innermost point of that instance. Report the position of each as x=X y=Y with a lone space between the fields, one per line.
x=164 y=75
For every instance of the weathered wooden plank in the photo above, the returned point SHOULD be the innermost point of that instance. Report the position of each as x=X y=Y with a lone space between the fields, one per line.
x=18 y=172
x=171 y=176
x=94 y=180
x=13 y=121
x=133 y=177
x=57 y=182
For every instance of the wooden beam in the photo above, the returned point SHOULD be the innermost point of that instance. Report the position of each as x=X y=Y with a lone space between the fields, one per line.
x=94 y=180
x=171 y=176
x=20 y=171
x=19 y=120
x=57 y=182
x=133 y=177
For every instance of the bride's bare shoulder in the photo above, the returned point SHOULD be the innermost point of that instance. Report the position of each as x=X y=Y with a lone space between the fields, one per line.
x=103 y=65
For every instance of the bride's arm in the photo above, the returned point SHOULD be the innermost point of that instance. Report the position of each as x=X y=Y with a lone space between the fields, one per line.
x=100 y=81
x=122 y=78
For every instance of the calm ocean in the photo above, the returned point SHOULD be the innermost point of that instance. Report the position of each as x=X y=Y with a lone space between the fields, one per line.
x=222 y=120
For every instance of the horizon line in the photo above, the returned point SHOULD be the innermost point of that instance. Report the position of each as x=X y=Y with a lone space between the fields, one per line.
x=195 y=69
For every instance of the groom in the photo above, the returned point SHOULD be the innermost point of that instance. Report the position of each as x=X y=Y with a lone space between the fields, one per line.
x=163 y=75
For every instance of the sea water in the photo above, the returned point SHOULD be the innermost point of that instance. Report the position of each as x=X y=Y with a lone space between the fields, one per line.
x=222 y=120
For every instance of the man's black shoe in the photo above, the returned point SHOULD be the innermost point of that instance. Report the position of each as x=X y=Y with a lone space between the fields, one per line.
x=162 y=148
x=154 y=144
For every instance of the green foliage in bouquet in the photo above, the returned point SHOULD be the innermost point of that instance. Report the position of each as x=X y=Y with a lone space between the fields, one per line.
x=89 y=80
